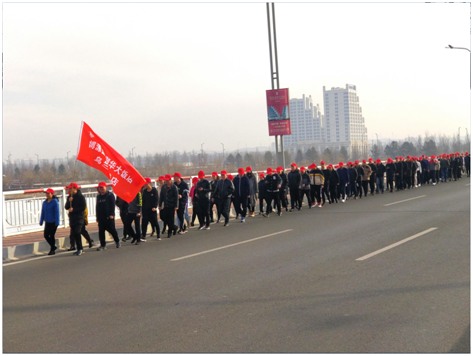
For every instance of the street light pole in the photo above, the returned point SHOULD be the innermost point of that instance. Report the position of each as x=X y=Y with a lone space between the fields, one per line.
x=132 y=157
x=202 y=154
x=223 y=152
x=452 y=47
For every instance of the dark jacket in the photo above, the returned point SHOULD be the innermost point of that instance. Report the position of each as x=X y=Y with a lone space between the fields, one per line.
x=122 y=205
x=202 y=195
x=50 y=212
x=380 y=170
x=135 y=205
x=390 y=169
x=224 y=189
x=105 y=206
x=326 y=174
x=294 y=179
x=284 y=181
x=343 y=175
x=183 y=191
x=305 y=180
x=467 y=160
x=150 y=199
x=261 y=189
x=334 y=178
x=78 y=205
x=444 y=163
x=360 y=172
x=399 y=167
x=353 y=173
x=374 y=168
x=169 y=197
x=408 y=167
x=424 y=164
x=213 y=186
x=272 y=181
x=242 y=186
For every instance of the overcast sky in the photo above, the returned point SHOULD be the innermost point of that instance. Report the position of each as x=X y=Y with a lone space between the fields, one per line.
x=165 y=76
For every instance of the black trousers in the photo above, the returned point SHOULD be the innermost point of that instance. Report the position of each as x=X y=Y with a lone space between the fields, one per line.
x=123 y=218
x=333 y=193
x=49 y=233
x=83 y=232
x=149 y=216
x=389 y=182
x=283 y=197
x=240 y=204
x=318 y=196
x=167 y=214
x=295 y=197
x=365 y=186
x=211 y=210
x=224 y=208
x=272 y=196
x=467 y=168
x=459 y=172
x=325 y=192
x=261 y=203
x=398 y=182
x=312 y=193
x=180 y=216
x=203 y=212
x=107 y=225
x=76 y=228
x=307 y=193
x=372 y=182
x=130 y=218
x=359 y=186
x=407 y=179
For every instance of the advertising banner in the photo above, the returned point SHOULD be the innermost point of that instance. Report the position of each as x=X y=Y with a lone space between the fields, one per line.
x=279 y=122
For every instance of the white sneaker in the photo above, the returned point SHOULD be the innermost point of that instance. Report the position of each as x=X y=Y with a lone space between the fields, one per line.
x=343 y=200
x=320 y=205
x=242 y=220
x=433 y=183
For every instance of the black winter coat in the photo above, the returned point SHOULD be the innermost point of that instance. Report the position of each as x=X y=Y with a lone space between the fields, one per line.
x=224 y=189
x=169 y=198
x=105 y=206
x=242 y=186
x=272 y=181
x=150 y=199
x=183 y=191
x=334 y=179
x=204 y=193
x=78 y=205
x=294 y=179
x=380 y=170
x=353 y=173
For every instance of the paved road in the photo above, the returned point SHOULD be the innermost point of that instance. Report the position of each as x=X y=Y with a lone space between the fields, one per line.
x=302 y=290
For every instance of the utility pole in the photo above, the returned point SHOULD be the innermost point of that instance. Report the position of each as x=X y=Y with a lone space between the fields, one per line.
x=202 y=154
x=132 y=157
x=223 y=152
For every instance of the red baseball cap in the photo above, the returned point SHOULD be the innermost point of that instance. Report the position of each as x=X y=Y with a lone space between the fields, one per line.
x=269 y=170
x=330 y=166
x=322 y=162
x=248 y=169
x=341 y=164
x=49 y=191
x=177 y=174
x=294 y=165
x=161 y=178
x=72 y=185
x=241 y=171
x=364 y=161
x=195 y=180
x=167 y=177
x=201 y=174
x=147 y=180
x=378 y=161
x=280 y=169
x=261 y=175
x=223 y=172
x=302 y=169
x=230 y=177
x=103 y=184
x=214 y=173
x=370 y=159
x=350 y=164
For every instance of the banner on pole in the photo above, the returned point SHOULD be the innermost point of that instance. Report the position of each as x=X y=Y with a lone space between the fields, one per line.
x=279 y=120
x=98 y=154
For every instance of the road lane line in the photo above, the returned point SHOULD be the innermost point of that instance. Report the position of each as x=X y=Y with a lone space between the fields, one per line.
x=231 y=245
x=396 y=244
x=33 y=258
x=402 y=201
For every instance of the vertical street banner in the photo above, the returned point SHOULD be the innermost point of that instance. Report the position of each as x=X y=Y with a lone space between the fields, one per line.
x=279 y=121
x=98 y=154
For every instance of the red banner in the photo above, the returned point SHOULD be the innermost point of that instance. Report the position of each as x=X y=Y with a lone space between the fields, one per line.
x=278 y=112
x=98 y=154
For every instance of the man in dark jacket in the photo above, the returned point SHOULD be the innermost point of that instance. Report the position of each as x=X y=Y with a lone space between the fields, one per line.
x=202 y=190
x=467 y=164
x=373 y=175
x=399 y=174
x=183 y=191
x=283 y=190
x=241 y=195
x=261 y=193
x=105 y=212
x=390 y=173
x=304 y=189
x=169 y=204
x=223 y=193
x=123 y=208
x=134 y=216
x=294 y=182
x=334 y=181
x=150 y=198
x=359 y=184
x=459 y=159
x=273 y=184
x=380 y=170
x=325 y=190
x=344 y=180
x=353 y=174
x=76 y=206
x=213 y=186
x=317 y=181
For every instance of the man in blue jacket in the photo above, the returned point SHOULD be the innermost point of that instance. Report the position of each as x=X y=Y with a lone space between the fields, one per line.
x=105 y=211
x=242 y=193
x=344 y=176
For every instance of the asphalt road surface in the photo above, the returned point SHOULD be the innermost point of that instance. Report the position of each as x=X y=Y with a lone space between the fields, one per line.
x=312 y=281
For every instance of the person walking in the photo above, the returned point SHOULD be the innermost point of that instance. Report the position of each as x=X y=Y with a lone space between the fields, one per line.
x=150 y=198
x=123 y=208
x=76 y=205
x=193 y=196
x=344 y=180
x=105 y=213
x=283 y=189
x=325 y=190
x=261 y=193
x=467 y=163
x=169 y=204
x=334 y=181
x=134 y=216
x=366 y=176
x=213 y=186
x=253 y=191
x=294 y=181
x=305 y=188
x=373 y=175
x=50 y=217
x=359 y=186
x=273 y=184
x=390 y=173
x=353 y=174
x=317 y=180
x=183 y=192
x=399 y=174
x=241 y=195
x=380 y=170
x=201 y=193
x=223 y=194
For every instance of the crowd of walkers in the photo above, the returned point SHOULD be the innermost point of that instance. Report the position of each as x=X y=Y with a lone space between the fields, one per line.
x=317 y=185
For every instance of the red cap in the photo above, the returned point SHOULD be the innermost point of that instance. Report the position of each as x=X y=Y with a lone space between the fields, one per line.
x=223 y=172
x=280 y=169
x=293 y=165
x=214 y=173
x=177 y=174
x=195 y=180
x=161 y=178
x=466 y=153
x=302 y=169
x=248 y=169
x=201 y=174
x=103 y=184
x=167 y=177
x=72 y=185
x=337 y=167
x=241 y=171
x=341 y=164
x=261 y=175
x=378 y=161
x=401 y=157
x=147 y=180
x=350 y=164
x=364 y=161
x=397 y=157
x=371 y=159
x=49 y=191
x=457 y=153
x=357 y=162
x=230 y=177
x=269 y=170
x=389 y=160
x=330 y=166
x=322 y=162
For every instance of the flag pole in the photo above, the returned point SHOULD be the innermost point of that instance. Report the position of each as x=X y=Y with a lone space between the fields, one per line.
x=78 y=148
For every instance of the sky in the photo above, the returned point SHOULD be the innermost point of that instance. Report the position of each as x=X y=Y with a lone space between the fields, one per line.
x=171 y=76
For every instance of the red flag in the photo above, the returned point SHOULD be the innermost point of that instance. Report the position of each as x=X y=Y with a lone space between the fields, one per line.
x=98 y=154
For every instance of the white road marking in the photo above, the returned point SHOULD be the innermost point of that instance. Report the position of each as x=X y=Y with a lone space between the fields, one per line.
x=231 y=245
x=36 y=258
x=396 y=244
x=402 y=201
